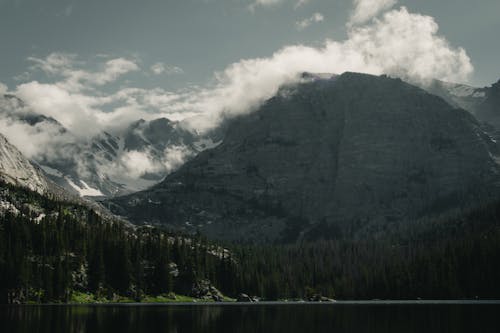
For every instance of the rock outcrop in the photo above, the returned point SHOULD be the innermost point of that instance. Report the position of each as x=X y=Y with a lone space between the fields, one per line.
x=18 y=170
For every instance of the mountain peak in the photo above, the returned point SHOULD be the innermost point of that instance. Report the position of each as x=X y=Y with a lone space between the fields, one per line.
x=317 y=76
x=363 y=151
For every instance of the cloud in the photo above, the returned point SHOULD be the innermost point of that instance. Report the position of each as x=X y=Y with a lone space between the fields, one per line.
x=365 y=10
x=301 y=3
x=73 y=99
x=396 y=42
x=34 y=141
x=315 y=18
x=265 y=3
x=74 y=111
x=137 y=163
x=272 y=3
x=132 y=165
x=400 y=43
x=3 y=88
x=161 y=68
x=54 y=63
x=66 y=66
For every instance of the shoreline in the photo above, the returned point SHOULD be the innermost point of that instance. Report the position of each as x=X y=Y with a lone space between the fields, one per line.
x=267 y=303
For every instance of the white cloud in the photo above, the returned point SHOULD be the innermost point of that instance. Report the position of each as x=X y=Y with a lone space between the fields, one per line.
x=398 y=43
x=266 y=3
x=73 y=99
x=395 y=42
x=73 y=110
x=54 y=63
x=365 y=10
x=3 y=88
x=33 y=141
x=315 y=18
x=138 y=163
x=271 y=3
x=66 y=66
x=161 y=68
x=301 y=3
x=132 y=165
x=174 y=157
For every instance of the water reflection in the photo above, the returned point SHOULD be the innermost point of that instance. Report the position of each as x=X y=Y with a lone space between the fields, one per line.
x=252 y=318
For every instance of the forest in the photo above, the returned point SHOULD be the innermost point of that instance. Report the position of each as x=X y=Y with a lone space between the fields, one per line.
x=72 y=250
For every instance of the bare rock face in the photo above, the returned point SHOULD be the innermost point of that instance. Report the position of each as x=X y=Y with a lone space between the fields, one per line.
x=18 y=170
x=348 y=152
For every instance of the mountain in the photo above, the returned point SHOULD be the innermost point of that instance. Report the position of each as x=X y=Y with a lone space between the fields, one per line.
x=109 y=163
x=459 y=95
x=129 y=160
x=489 y=110
x=483 y=103
x=17 y=170
x=352 y=154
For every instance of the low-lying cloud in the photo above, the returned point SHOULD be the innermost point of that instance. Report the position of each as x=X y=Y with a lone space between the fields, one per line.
x=396 y=42
x=399 y=43
x=379 y=40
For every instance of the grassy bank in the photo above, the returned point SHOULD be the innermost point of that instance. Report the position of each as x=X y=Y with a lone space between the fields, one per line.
x=87 y=298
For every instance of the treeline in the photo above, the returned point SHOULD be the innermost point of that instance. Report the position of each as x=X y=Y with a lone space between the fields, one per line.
x=45 y=257
x=70 y=248
x=458 y=269
x=46 y=261
x=454 y=256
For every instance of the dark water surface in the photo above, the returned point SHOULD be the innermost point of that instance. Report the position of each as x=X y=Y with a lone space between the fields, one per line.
x=290 y=318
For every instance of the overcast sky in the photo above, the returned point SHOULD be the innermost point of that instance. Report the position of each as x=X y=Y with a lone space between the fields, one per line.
x=190 y=39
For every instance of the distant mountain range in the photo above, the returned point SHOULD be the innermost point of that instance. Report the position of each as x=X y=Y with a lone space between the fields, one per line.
x=351 y=154
x=97 y=167
x=483 y=103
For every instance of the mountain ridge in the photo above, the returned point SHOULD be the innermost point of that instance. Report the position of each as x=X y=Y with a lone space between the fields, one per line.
x=354 y=151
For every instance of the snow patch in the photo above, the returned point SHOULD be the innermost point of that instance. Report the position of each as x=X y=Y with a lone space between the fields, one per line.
x=462 y=90
x=86 y=190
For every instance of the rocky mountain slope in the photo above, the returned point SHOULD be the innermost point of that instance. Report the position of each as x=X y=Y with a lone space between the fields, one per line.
x=17 y=170
x=483 y=103
x=489 y=110
x=106 y=164
x=354 y=153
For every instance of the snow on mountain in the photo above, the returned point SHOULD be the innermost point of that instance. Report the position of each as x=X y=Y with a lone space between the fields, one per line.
x=85 y=190
x=459 y=95
x=108 y=164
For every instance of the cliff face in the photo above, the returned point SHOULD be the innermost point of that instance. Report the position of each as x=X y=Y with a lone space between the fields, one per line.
x=350 y=151
x=18 y=170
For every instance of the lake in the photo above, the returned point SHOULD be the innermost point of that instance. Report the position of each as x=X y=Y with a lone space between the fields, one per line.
x=386 y=317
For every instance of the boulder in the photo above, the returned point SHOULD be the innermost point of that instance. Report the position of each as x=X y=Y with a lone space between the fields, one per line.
x=204 y=290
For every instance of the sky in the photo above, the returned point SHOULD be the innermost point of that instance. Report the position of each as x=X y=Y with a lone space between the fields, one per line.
x=203 y=36
x=97 y=65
